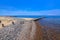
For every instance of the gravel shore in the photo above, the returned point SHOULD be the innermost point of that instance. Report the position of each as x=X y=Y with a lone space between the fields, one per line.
x=21 y=30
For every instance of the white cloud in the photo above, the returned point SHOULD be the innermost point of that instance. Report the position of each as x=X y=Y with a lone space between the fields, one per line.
x=19 y=12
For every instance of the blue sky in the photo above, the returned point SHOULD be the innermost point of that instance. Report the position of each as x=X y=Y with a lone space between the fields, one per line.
x=29 y=7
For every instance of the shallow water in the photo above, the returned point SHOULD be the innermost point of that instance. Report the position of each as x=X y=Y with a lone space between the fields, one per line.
x=53 y=22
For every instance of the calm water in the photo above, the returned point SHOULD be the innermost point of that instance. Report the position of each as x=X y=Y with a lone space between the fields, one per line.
x=36 y=16
x=53 y=22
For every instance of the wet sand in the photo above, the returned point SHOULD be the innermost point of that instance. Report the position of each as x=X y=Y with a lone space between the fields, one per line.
x=28 y=30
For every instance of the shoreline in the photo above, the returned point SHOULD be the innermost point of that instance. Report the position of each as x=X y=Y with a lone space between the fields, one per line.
x=30 y=29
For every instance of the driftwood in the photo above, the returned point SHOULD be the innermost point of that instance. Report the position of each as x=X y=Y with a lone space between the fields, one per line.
x=3 y=25
x=0 y=21
x=13 y=23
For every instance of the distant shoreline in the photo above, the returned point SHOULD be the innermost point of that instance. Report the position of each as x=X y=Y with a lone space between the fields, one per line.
x=23 y=16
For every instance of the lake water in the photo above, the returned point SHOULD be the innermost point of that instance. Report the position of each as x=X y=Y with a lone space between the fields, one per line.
x=52 y=21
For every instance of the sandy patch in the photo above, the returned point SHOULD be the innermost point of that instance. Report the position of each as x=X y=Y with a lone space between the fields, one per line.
x=6 y=21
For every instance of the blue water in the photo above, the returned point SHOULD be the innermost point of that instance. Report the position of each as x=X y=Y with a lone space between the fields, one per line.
x=53 y=22
x=36 y=16
x=27 y=16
